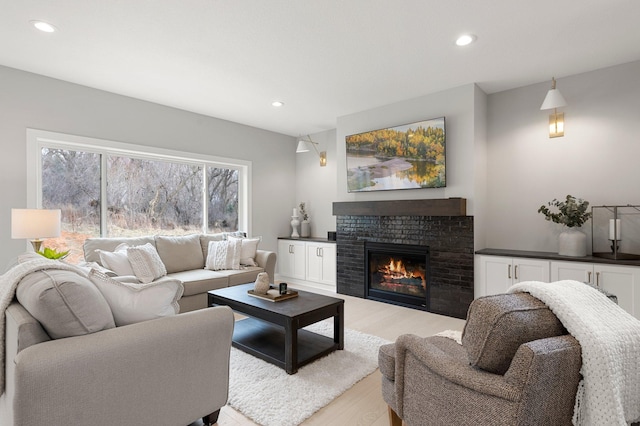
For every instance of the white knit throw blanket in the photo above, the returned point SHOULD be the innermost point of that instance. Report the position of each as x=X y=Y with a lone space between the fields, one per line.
x=8 y=284
x=609 y=393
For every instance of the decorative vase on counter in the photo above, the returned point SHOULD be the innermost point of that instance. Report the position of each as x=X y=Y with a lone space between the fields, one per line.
x=294 y=227
x=572 y=242
x=305 y=229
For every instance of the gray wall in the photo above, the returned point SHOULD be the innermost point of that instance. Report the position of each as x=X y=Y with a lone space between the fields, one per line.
x=33 y=101
x=597 y=159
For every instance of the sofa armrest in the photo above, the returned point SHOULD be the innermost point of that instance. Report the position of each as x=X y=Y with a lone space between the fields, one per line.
x=445 y=358
x=171 y=370
x=267 y=261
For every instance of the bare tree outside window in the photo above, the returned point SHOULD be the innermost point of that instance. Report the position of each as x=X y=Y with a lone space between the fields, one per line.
x=144 y=197
x=71 y=183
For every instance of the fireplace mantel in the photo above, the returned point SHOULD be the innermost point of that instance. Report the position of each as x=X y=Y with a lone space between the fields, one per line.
x=433 y=207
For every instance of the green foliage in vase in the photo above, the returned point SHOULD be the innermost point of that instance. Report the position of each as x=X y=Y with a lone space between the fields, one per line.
x=572 y=212
x=53 y=253
x=302 y=210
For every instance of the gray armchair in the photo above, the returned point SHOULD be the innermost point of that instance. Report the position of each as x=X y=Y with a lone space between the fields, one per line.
x=516 y=366
x=167 y=371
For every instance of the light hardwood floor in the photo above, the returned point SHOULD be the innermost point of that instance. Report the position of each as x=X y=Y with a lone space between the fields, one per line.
x=363 y=404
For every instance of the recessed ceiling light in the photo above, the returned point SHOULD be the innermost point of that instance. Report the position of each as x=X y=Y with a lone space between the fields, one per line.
x=277 y=103
x=465 y=39
x=43 y=26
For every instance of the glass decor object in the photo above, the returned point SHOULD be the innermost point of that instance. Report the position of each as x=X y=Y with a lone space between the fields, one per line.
x=615 y=232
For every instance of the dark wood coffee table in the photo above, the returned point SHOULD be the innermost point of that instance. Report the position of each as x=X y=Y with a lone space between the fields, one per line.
x=272 y=331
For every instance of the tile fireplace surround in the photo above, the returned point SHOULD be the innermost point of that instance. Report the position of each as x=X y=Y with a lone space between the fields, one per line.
x=440 y=224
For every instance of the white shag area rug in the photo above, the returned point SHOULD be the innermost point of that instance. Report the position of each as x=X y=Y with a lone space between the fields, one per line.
x=271 y=397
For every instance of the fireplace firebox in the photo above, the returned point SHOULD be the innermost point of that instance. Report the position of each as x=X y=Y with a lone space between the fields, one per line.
x=398 y=274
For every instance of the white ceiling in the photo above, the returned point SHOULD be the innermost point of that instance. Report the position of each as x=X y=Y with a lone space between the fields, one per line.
x=323 y=58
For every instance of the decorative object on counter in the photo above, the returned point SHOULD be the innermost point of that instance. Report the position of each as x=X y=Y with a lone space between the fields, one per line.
x=294 y=225
x=572 y=213
x=283 y=288
x=615 y=232
x=261 y=286
x=331 y=235
x=305 y=227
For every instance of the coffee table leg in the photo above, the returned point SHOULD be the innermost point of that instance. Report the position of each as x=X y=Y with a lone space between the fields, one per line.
x=291 y=347
x=338 y=327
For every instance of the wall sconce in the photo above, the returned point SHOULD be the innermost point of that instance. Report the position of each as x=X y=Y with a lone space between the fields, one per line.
x=554 y=100
x=35 y=224
x=303 y=146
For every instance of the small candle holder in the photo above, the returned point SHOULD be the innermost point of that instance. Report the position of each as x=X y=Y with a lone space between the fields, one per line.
x=282 y=288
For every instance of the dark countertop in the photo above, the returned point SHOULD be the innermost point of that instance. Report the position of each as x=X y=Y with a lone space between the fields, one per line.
x=555 y=256
x=311 y=239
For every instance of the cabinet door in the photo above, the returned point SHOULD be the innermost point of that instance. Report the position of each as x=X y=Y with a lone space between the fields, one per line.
x=623 y=281
x=321 y=263
x=496 y=274
x=328 y=255
x=291 y=258
x=284 y=258
x=530 y=270
x=577 y=271
x=314 y=262
x=298 y=259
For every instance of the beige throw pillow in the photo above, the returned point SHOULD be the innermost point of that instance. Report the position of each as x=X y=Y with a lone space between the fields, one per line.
x=223 y=255
x=146 y=263
x=248 y=249
x=117 y=260
x=132 y=302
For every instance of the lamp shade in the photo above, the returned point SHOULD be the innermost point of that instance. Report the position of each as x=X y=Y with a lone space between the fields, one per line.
x=554 y=99
x=303 y=146
x=35 y=223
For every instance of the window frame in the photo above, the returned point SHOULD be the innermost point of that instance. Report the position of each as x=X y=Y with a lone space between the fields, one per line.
x=38 y=139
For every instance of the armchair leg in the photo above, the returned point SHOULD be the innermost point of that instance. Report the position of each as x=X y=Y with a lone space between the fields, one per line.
x=211 y=419
x=394 y=420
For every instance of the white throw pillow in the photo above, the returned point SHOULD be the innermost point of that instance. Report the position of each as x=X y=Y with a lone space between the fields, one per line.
x=146 y=263
x=116 y=260
x=248 y=250
x=131 y=303
x=223 y=255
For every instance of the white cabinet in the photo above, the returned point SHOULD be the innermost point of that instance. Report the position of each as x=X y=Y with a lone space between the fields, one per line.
x=495 y=274
x=622 y=281
x=321 y=263
x=307 y=262
x=292 y=258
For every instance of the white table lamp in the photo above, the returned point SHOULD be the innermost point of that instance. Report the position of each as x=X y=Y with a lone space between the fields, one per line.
x=35 y=224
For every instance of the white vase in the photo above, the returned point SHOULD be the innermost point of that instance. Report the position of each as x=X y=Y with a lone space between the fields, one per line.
x=294 y=227
x=305 y=230
x=572 y=242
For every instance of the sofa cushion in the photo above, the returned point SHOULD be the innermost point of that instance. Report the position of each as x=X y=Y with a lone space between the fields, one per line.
x=180 y=253
x=146 y=263
x=109 y=244
x=223 y=255
x=132 y=302
x=247 y=274
x=200 y=280
x=65 y=303
x=497 y=325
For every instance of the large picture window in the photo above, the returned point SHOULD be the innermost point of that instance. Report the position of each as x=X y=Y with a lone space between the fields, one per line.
x=111 y=189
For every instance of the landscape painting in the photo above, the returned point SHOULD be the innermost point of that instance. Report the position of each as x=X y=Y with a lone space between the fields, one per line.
x=410 y=156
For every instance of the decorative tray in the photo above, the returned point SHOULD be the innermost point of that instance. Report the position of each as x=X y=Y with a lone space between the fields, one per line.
x=273 y=295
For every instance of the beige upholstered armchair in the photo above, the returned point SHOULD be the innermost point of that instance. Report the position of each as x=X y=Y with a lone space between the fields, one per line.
x=516 y=366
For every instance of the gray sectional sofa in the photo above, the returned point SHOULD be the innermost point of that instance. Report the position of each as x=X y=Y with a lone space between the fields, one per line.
x=184 y=258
